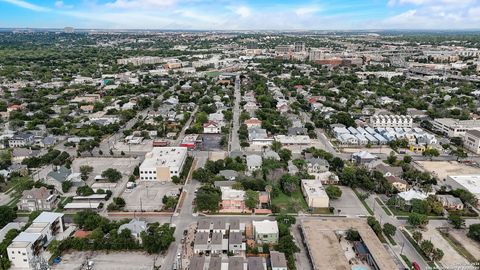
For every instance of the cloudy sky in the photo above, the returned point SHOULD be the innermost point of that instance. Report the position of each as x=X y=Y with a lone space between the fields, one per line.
x=242 y=15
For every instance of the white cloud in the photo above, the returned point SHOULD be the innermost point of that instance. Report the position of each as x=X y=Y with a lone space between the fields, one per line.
x=307 y=10
x=242 y=11
x=27 y=5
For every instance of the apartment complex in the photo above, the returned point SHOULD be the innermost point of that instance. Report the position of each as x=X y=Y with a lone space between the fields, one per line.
x=454 y=127
x=471 y=141
x=391 y=121
x=31 y=243
x=162 y=163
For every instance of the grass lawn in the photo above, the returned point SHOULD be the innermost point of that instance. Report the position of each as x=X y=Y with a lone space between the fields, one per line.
x=458 y=246
x=290 y=203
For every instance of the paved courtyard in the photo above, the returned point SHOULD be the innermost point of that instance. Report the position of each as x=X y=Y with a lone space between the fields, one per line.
x=108 y=261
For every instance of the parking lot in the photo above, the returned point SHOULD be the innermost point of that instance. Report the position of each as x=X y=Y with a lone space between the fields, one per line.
x=144 y=146
x=148 y=195
x=348 y=203
x=442 y=169
x=123 y=165
x=108 y=261
x=211 y=142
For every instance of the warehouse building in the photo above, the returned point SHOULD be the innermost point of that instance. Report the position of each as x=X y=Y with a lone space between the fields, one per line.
x=162 y=163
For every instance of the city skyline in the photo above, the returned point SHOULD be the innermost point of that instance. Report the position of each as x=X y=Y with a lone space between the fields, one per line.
x=244 y=15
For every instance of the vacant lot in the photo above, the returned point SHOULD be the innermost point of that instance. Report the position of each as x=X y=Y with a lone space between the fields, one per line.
x=108 y=261
x=147 y=196
x=123 y=165
x=442 y=169
x=451 y=257
x=290 y=203
x=468 y=243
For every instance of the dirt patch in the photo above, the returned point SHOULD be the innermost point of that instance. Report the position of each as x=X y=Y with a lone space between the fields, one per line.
x=442 y=169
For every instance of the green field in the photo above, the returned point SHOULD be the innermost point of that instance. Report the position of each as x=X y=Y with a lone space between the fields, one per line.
x=290 y=203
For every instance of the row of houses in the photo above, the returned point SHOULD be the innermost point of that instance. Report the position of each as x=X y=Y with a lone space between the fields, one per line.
x=276 y=261
x=368 y=135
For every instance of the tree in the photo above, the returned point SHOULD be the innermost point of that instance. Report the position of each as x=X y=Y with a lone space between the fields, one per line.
x=417 y=236
x=333 y=192
x=391 y=159
x=208 y=199
x=251 y=199
x=7 y=215
x=119 y=201
x=157 y=238
x=417 y=220
x=375 y=225
x=285 y=154
x=431 y=152
x=464 y=195
x=112 y=175
x=289 y=183
x=353 y=235
x=427 y=247
x=276 y=146
x=66 y=185
x=437 y=255
x=407 y=159
x=457 y=221
x=85 y=170
x=474 y=232
x=389 y=229
x=84 y=191
x=202 y=175
x=459 y=153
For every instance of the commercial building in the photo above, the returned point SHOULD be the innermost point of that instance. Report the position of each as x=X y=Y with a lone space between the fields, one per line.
x=325 y=251
x=265 y=232
x=471 y=141
x=162 y=163
x=469 y=182
x=314 y=193
x=30 y=243
x=392 y=121
x=454 y=127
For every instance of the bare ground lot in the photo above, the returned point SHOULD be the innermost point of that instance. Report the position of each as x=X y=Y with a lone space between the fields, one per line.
x=451 y=257
x=373 y=150
x=442 y=169
x=147 y=196
x=469 y=244
x=108 y=261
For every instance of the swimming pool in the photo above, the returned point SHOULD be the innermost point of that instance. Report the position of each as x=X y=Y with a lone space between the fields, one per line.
x=359 y=267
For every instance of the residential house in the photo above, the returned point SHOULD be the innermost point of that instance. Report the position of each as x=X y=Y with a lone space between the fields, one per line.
x=265 y=232
x=230 y=175
x=211 y=127
x=253 y=123
x=269 y=154
x=386 y=170
x=278 y=260
x=256 y=263
x=136 y=227
x=21 y=140
x=236 y=243
x=19 y=154
x=363 y=157
x=317 y=165
x=258 y=136
x=233 y=200
x=37 y=199
x=398 y=183
x=450 y=202
x=254 y=162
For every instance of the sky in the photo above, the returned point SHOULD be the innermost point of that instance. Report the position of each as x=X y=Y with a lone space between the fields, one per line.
x=242 y=14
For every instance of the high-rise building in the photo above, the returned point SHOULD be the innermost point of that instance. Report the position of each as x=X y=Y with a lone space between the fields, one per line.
x=299 y=46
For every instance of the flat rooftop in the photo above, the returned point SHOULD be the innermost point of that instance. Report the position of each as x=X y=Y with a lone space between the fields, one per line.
x=314 y=188
x=327 y=253
x=164 y=157
x=470 y=182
